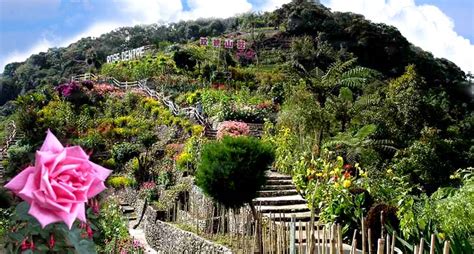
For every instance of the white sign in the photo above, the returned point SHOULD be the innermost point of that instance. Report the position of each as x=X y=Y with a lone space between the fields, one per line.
x=127 y=55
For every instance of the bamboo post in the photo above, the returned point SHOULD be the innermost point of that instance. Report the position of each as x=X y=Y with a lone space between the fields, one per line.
x=394 y=240
x=308 y=238
x=300 y=238
x=339 y=239
x=264 y=236
x=415 y=249
x=380 y=247
x=333 y=238
x=354 y=247
x=324 y=241
x=446 y=247
x=363 y=235
x=369 y=237
x=433 y=244
x=318 y=241
x=422 y=246
x=272 y=226
x=387 y=244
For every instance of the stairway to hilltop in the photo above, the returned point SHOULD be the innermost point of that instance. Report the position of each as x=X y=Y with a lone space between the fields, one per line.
x=12 y=139
x=279 y=199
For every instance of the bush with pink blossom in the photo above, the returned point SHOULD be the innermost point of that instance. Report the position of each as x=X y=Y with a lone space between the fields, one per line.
x=232 y=128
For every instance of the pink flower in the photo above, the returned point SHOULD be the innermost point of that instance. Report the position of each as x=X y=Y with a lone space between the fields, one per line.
x=232 y=128
x=59 y=185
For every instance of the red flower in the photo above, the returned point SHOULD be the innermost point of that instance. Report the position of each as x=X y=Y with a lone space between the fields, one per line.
x=90 y=233
x=24 y=245
x=347 y=166
x=347 y=175
x=51 y=241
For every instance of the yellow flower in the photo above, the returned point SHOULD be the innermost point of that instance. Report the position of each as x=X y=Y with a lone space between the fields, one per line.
x=442 y=236
x=347 y=183
x=363 y=173
x=336 y=184
x=319 y=174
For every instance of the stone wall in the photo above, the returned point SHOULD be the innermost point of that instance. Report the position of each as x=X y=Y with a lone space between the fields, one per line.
x=166 y=238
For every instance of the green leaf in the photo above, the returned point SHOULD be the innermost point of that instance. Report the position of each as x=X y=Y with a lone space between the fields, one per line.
x=16 y=236
x=366 y=131
x=22 y=211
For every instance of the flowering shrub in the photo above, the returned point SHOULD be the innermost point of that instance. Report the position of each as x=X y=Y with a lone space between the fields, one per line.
x=334 y=188
x=231 y=128
x=67 y=89
x=148 y=191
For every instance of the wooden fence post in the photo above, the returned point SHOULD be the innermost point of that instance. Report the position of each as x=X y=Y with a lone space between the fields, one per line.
x=292 y=234
x=433 y=244
x=446 y=247
x=380 y=247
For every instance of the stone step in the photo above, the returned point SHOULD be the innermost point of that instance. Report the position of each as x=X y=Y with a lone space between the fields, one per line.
x=276 y=193
x=286 y=217
x=279 y=182
x=283 y=208
x=279 y=187
x=277 y=176
x=281 y=200
x=127 y=209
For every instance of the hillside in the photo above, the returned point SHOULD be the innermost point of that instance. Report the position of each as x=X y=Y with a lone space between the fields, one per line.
x=356 y=120
x=376 y=46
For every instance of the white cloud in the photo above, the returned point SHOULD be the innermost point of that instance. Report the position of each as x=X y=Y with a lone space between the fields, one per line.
x=425 y=26
x=271 y=5
x=44 y=44
x=17 y=56
x=216 y=8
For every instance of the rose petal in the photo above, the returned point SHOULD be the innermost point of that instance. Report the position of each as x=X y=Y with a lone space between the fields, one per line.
x=47 y=203
x=51 y=143
x=27 y=191
x=19 y=181
x=96 y=188
x=44 y=216
x=45 y=184
x=77 y=152
x=102 y=173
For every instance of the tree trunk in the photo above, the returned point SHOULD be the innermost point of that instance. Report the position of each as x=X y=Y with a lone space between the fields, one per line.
x=258 y=228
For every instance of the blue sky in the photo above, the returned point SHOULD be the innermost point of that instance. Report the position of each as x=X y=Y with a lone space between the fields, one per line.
x=444 y=27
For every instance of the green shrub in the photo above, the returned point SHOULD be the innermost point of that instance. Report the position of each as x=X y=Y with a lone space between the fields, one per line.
x=18 y=158
x=121 y=182
x=123 y=152
x=233 y=170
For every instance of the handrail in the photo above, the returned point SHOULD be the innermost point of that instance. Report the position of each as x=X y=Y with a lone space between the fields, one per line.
x=11 y=137
x=190 y=112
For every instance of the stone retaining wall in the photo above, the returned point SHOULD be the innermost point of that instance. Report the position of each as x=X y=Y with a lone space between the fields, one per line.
x=164 y=237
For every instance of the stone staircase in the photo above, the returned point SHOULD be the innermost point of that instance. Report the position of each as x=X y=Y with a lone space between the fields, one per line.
x=279 y=199
x=12 y=139
x=129 y=212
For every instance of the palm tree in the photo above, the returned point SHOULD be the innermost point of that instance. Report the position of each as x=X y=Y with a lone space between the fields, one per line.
x=356 y=145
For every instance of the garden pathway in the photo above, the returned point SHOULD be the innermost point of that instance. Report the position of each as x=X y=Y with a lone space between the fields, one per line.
x=139 y=234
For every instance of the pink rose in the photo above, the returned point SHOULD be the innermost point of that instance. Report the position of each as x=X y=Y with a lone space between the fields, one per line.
x=59 y=185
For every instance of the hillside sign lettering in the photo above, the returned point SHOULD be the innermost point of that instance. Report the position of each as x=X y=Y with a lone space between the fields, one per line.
x=127 y=55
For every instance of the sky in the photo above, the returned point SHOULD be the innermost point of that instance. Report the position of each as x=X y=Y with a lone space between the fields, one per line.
x=443 y=27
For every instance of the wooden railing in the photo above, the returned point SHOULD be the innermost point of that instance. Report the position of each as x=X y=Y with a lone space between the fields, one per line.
x=190 y=112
